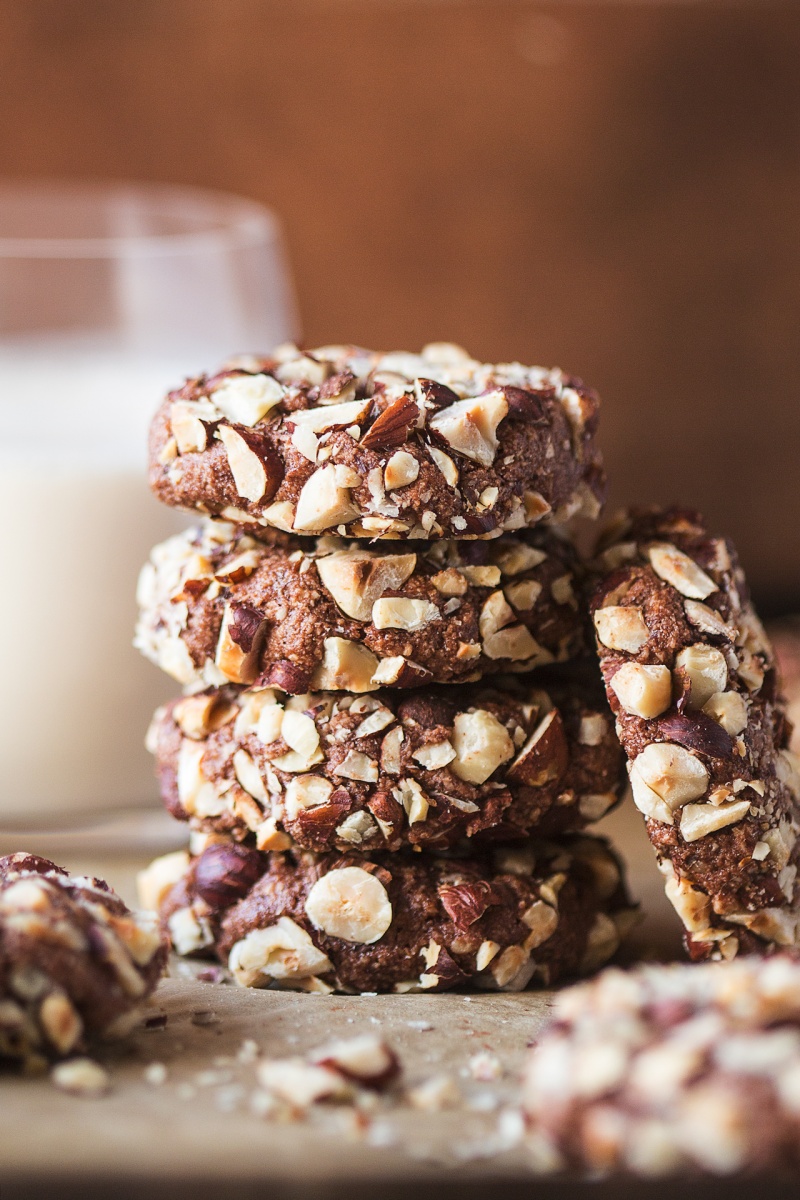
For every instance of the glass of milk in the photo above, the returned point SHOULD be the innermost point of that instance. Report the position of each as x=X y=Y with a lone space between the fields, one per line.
x=109 y=295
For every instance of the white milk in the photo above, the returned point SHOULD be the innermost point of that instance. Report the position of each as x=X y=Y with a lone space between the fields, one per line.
x=78 y=521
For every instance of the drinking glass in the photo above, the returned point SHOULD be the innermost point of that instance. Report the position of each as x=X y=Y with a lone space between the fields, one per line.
x=109 y=295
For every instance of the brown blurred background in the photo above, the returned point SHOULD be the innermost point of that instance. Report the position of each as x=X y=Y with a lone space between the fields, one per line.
x=612 y=188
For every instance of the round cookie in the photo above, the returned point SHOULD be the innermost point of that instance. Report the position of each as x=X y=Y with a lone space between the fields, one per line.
x=219 y=608
x=340 y=439
x=690 y=677
x=671 y=1069
x=398 y=923
x=429 y=768
x=75 y=963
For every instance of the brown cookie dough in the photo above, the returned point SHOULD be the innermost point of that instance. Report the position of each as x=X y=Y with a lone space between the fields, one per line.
x=75 y=964
x=429 y=768
x=671 y=1069
x=404 y=922
x=690 y=676
x=325 y=613
x=345 y=440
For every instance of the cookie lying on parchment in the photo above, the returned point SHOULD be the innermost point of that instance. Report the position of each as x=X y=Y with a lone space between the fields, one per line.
x=667 y=1069
x=75 y=963
x=219 y=608
x=430 y=768
x=691 y=679
x=340 y=439
x=396 y=922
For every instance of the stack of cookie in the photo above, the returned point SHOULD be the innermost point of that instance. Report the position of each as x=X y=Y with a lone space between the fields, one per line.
x=387 y=746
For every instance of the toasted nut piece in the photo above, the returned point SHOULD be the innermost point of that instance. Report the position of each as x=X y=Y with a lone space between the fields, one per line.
x=509 y=968
x=300 y=732
x=188 y=430
x=682 y=572
x=706 y=670
x=398 y=612
x=356 y=765
x=707 y=620
x=248 y=776
x=486 y=952
x=351 y=904
x=249 y=472
x=401 y=469
x=239 y=662
x=445 y=464
x=672 y=772
x=692 y=906
x=450 y=582
x=481 y=744
x=390 y=751
x=197 y=716
x=283 y=951
x=545 y=755
x=433 y=757
x=495 y=614
x=516 y=557
x=366 y=1060
x=389 y=670
x=301 y=1084
x=306 y=791
x=413 y=799
x=81 y=1077
x=643 y=691
x=346 y=666
x=730 y=709
x=156 y=880
x=323 y=503
x=593 y=728
x=470 y=426
x=330 y=415
x=60 y=1022
x=523 y=594
x=699 y=819
x=245 y=399
x=594 y=805
x=621 y=627
x=280 y=514
x=195 y=793
x=542 y=920
x=357 y=578
x=517 y=643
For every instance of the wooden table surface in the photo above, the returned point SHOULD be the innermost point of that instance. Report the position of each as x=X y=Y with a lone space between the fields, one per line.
x=196 y=1134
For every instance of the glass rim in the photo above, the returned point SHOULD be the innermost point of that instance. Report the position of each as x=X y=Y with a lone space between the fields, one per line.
x=234 y=221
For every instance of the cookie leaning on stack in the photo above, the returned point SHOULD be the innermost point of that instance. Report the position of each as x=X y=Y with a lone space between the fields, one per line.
x=297 y=755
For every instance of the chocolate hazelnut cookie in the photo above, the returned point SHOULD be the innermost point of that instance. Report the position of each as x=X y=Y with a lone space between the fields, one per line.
x=691 y=679
x=340 y=439
x=671 y=1069
x=75 y=963
x=325 y=613
x=429 y=768
x=403 y=922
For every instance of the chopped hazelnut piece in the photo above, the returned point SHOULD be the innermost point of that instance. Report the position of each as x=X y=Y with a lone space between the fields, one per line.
x=249 y=472
x=351 y=904
x=644 y=691
x=682 y=572
x=481 y=744
x=621 y=627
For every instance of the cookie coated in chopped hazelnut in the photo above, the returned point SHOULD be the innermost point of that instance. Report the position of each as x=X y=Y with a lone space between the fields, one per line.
x=430 y=768
x=368 y=445
x=219 y=608
x=403 y=922
x=75 y=963
x=669 y=1070
x=691 y=679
